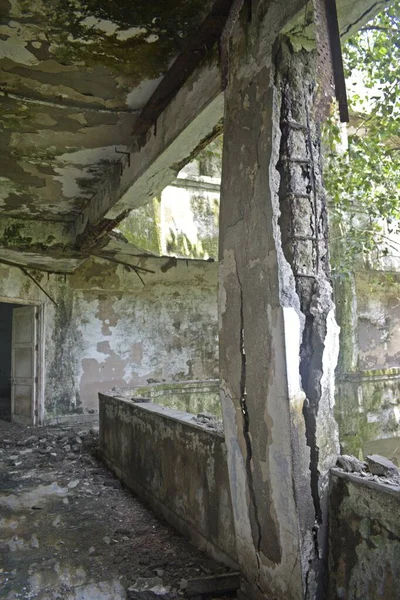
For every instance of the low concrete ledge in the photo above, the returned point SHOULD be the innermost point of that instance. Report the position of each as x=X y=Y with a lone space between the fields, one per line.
x=176 y=465
x=364 y=544
x=196 y=396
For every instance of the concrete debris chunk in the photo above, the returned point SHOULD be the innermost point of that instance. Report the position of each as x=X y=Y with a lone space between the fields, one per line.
x=351 y=464
x=72 y=484
x=210 y=421
x=149 y=588
x=379 y=465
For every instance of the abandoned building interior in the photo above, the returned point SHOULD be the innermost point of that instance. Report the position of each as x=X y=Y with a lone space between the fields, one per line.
x=167 y=308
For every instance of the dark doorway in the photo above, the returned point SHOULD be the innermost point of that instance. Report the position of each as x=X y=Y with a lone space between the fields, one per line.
x=6 y=315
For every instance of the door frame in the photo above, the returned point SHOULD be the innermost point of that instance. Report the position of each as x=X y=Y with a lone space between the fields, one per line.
x=38 y=408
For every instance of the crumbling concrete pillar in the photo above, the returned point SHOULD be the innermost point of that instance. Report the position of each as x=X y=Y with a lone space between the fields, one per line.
x=278 y=334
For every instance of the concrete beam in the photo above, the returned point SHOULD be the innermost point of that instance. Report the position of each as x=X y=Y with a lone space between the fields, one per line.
x=189 y=120
x=185 y=124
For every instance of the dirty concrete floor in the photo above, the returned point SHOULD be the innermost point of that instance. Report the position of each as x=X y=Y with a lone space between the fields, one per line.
x=69 y=530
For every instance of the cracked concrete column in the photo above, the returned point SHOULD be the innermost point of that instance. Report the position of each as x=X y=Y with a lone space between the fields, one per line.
x=278 y=334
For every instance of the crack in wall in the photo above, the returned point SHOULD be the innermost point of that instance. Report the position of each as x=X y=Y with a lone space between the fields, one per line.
x=246 y=434
x=303 y=227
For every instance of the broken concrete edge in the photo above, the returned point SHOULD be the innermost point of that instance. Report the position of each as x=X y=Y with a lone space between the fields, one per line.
x=164 y=412
x=376 y=484
x=180 y=128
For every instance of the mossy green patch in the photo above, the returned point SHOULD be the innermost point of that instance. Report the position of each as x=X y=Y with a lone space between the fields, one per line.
x=142 y=57
x=13 y=236
x=15 y=116
x=142 y=227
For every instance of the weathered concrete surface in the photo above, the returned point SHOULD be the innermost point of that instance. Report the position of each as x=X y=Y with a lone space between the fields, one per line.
x=189 y=119
x=364 y=550
x=278 y=335
x=69 y=531
x=108 y=329
x=176 y=465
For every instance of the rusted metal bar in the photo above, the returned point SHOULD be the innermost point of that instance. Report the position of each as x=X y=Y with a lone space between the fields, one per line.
x=330 y=72
x=337 y=60
x=25 y=272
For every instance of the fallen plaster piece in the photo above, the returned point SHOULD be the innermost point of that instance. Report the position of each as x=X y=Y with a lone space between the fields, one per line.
x=209 y=421
x=351 y=464
x=379 y=465
x=149 y=588
x=376 y=468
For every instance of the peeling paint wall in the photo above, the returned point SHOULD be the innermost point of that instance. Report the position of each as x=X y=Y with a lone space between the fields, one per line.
x=72 y=76
x=109 y=330
x=368 y=378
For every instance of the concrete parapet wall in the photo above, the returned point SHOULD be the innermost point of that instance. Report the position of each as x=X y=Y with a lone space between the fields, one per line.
x=364 y=539
x=176 y=465
x=368 y=409
x=189 y=396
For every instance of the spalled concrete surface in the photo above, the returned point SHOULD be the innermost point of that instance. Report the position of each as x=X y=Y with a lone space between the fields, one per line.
x=69 y=531
x=278 y=335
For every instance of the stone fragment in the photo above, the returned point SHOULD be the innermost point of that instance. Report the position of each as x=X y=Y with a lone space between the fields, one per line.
x=149 y=588
x=351 y=464
x=72 y=484
x=379 y=465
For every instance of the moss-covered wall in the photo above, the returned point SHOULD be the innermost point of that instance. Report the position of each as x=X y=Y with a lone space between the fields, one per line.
x=368 y=377
x=183 y=222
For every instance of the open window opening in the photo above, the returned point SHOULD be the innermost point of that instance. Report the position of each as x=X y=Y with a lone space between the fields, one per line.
x=362 y=176
x=183 y=220
x=182 y=223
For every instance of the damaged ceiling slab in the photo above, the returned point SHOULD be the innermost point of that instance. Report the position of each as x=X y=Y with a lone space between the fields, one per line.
x=101 y=104
x=73 y=78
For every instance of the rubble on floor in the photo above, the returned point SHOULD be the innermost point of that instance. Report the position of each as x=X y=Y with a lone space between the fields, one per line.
x=70 y=531
x=374 y=468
